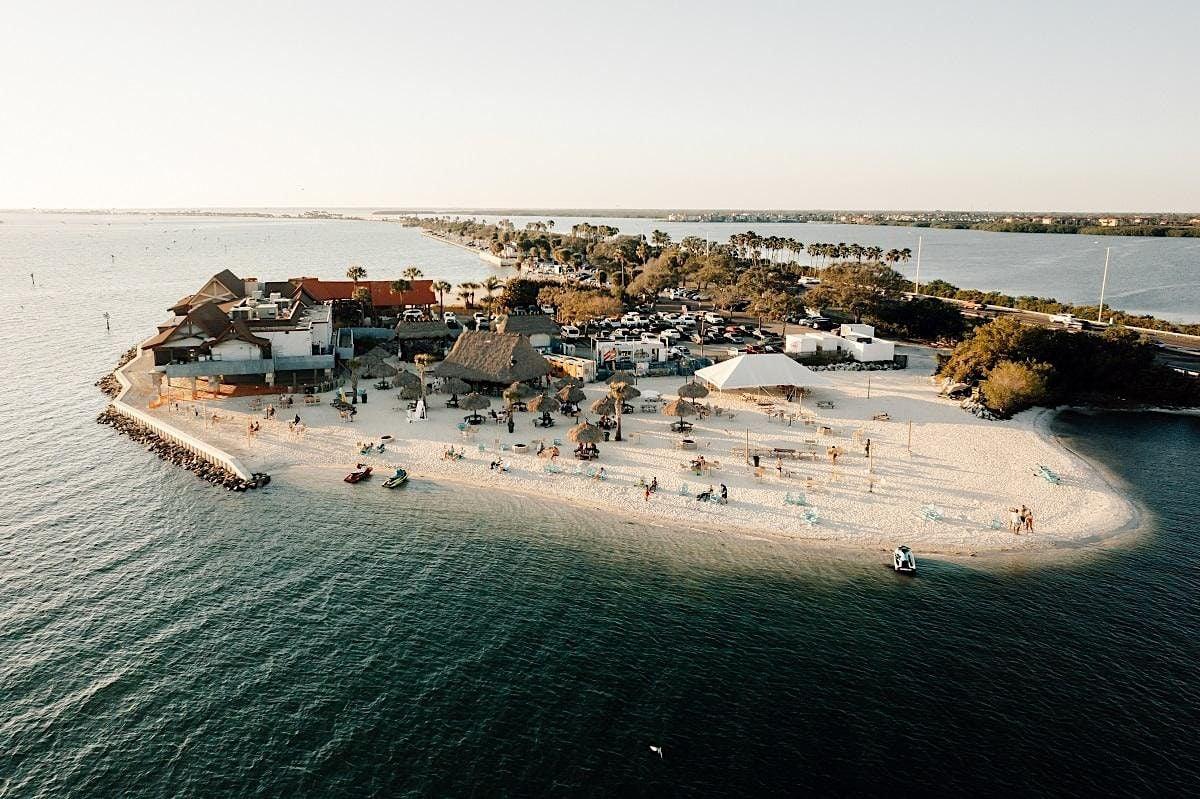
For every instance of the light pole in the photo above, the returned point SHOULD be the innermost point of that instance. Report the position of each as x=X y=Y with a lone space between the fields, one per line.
x=1103 y=285
x=917 y=276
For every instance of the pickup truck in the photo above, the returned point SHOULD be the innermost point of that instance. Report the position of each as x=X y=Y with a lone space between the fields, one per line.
x=1067 y=320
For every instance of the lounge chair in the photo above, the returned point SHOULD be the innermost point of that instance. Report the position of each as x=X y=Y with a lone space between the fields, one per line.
x=996 y=524
x=931 y=513
x=788 y=499
x=506 y=447
x=550 y=468
x=685 y=490
x=810 y=517
x=1047 y=474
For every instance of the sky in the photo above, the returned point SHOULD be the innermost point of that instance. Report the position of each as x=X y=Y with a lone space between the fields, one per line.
x=796 y=105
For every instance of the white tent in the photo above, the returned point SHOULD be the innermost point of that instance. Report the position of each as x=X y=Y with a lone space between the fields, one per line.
x=751 y=371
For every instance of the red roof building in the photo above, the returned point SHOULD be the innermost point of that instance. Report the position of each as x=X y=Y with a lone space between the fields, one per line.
x=420 y=295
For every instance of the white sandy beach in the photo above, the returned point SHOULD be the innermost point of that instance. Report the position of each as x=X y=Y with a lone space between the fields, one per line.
x=971 y=470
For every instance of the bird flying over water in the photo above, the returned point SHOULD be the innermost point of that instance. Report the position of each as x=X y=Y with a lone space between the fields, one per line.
x=657 y=749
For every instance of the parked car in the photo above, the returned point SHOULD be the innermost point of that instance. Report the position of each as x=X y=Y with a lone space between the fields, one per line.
x=412 y=315
x=569 y=331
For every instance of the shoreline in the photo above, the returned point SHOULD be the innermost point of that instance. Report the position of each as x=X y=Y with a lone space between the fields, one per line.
x=968 y=469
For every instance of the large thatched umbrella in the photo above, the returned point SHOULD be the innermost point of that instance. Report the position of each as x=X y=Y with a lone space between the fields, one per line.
x=405 y=380
x=585 y=433
x=454 y=386
x=563 y=382
x=693 y=391
x=605 y=406
x=680 y=408
x=572 y=394
x=521 y=391
x=621 y=377
x=543 y=403
x=410 y=393
x=475 y=402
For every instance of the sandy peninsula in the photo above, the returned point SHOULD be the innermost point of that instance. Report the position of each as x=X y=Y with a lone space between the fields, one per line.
x=949 y=493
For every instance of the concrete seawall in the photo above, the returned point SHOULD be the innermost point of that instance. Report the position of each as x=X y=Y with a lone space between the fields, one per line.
x=200 y=449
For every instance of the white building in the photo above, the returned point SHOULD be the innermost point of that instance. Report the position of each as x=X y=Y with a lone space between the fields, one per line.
x=857 y=341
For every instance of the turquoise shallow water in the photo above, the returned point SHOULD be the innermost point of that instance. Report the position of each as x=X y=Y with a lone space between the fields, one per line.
x=161 y=638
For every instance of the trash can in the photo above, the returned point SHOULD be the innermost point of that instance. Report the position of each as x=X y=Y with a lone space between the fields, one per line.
x=364 y=396
x=756 y=461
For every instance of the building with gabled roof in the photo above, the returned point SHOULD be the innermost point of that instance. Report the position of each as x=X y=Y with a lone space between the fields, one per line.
x=490 y=359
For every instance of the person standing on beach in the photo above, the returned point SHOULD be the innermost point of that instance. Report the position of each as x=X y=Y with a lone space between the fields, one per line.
x=867 y=447
x=647 y=493
x=1028 y=520
x=724 y=495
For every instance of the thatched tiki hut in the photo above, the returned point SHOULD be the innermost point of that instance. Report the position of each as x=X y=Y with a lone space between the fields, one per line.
x=491 y=361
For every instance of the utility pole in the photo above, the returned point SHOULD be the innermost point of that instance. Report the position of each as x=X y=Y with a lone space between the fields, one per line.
x=107 y=326
x=917 y=276
x=1103 y=285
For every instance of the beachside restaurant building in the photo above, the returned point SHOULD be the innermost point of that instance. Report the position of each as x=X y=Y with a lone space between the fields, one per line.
x=490 y=361
x=230 y=334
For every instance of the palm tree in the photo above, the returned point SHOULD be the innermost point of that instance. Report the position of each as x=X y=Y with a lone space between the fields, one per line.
x=620 y=391
x=400 y=286
x=423 y=361
x=491 y=284
x=467 y=292
x=441 y=287
x=412 y=273
x=356 y=273
x=354 y=364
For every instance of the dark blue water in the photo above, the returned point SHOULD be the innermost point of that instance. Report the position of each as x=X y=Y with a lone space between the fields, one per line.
x=160 y=638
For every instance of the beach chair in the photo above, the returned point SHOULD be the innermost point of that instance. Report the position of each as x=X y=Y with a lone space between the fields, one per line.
x=550 y=468
x=810 y=517
x=788 y=499
x=558 y=442
x=996 y=524
x=685 y=490
x=506 y=447
x=1047 y=474
x=482 y=448
x=931 y=513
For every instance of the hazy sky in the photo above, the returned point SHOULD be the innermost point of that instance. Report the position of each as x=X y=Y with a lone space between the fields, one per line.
x=1046 y=105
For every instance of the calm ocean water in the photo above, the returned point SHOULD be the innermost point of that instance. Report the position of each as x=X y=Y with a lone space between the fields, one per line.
x=161 y=638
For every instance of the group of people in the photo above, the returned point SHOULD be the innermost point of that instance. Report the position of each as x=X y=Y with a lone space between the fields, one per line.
x=452 y=454
x=705 y=496
x=498 y=466
x=699 y=464
x=1020 y=520
x=648 y=488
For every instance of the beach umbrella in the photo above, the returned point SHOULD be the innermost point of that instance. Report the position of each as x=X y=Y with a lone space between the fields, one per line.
x=621 y=377
x=475 y=402
x=572 y=394
x=624 y=390
x=521 y=391
x=410 y=393
x=567 y=381
x=585 y=433
x=454 y=386
x=692 y=391
x=543 y=402
x=605 y=406
x=406 y=380
x=680 y=408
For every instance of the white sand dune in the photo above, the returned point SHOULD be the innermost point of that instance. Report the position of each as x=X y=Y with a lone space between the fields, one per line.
x=971 y=470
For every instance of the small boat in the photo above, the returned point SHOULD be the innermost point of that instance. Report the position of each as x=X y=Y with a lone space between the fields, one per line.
x=904 y=561
x=396 y=480
x=361 y=472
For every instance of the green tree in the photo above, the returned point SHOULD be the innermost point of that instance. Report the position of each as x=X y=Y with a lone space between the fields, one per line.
x=1011 y=387
x=441 y=287
x=356 y=273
